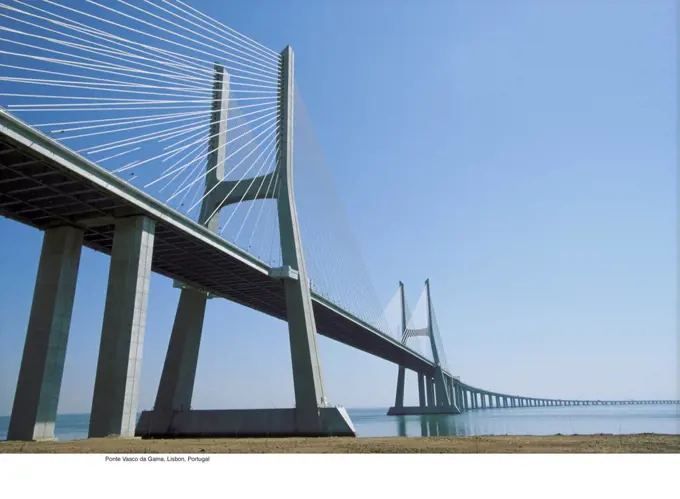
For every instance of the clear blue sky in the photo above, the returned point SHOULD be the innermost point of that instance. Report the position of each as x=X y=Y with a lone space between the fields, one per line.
x=520 y=154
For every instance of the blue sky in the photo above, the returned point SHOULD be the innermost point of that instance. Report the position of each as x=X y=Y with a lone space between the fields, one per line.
x=519 y=154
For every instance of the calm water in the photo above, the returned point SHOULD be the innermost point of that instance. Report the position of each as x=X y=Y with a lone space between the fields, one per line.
x=518 y=421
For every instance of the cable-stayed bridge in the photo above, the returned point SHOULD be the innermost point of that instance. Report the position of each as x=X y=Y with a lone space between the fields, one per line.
x=159 y=135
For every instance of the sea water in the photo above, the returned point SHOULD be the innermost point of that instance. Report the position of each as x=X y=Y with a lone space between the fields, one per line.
x=617 y=420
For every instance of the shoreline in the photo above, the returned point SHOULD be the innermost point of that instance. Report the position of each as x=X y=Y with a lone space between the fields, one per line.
x=599 y=443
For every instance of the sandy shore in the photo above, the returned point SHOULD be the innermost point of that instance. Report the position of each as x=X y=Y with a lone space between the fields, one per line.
x=645 y=443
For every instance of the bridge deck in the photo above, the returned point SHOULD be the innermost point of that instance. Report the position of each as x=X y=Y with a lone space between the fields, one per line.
x=44 y=184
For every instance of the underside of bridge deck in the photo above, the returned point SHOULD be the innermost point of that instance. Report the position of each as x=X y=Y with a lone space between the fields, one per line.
x=45 y=185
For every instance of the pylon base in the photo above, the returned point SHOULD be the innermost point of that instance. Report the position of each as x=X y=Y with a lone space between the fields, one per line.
x=333 y=421
x=417 y=410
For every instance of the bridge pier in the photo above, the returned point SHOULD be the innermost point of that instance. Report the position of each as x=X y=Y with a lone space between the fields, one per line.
x=422 y=398
x=430 y=392
x=116 y=385
x=450 y=390
x=36 y=399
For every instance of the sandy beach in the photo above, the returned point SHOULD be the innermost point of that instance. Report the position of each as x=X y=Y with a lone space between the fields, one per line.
x=642 y=443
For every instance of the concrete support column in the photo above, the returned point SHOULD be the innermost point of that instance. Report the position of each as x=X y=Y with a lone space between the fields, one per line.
x=176 y=387
x=483 y=400
x=116 y=386
x=431 y=402
x=307 y=379
x=421 y=390
x=401 y=380
x=37 y=395
x=401 y=375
